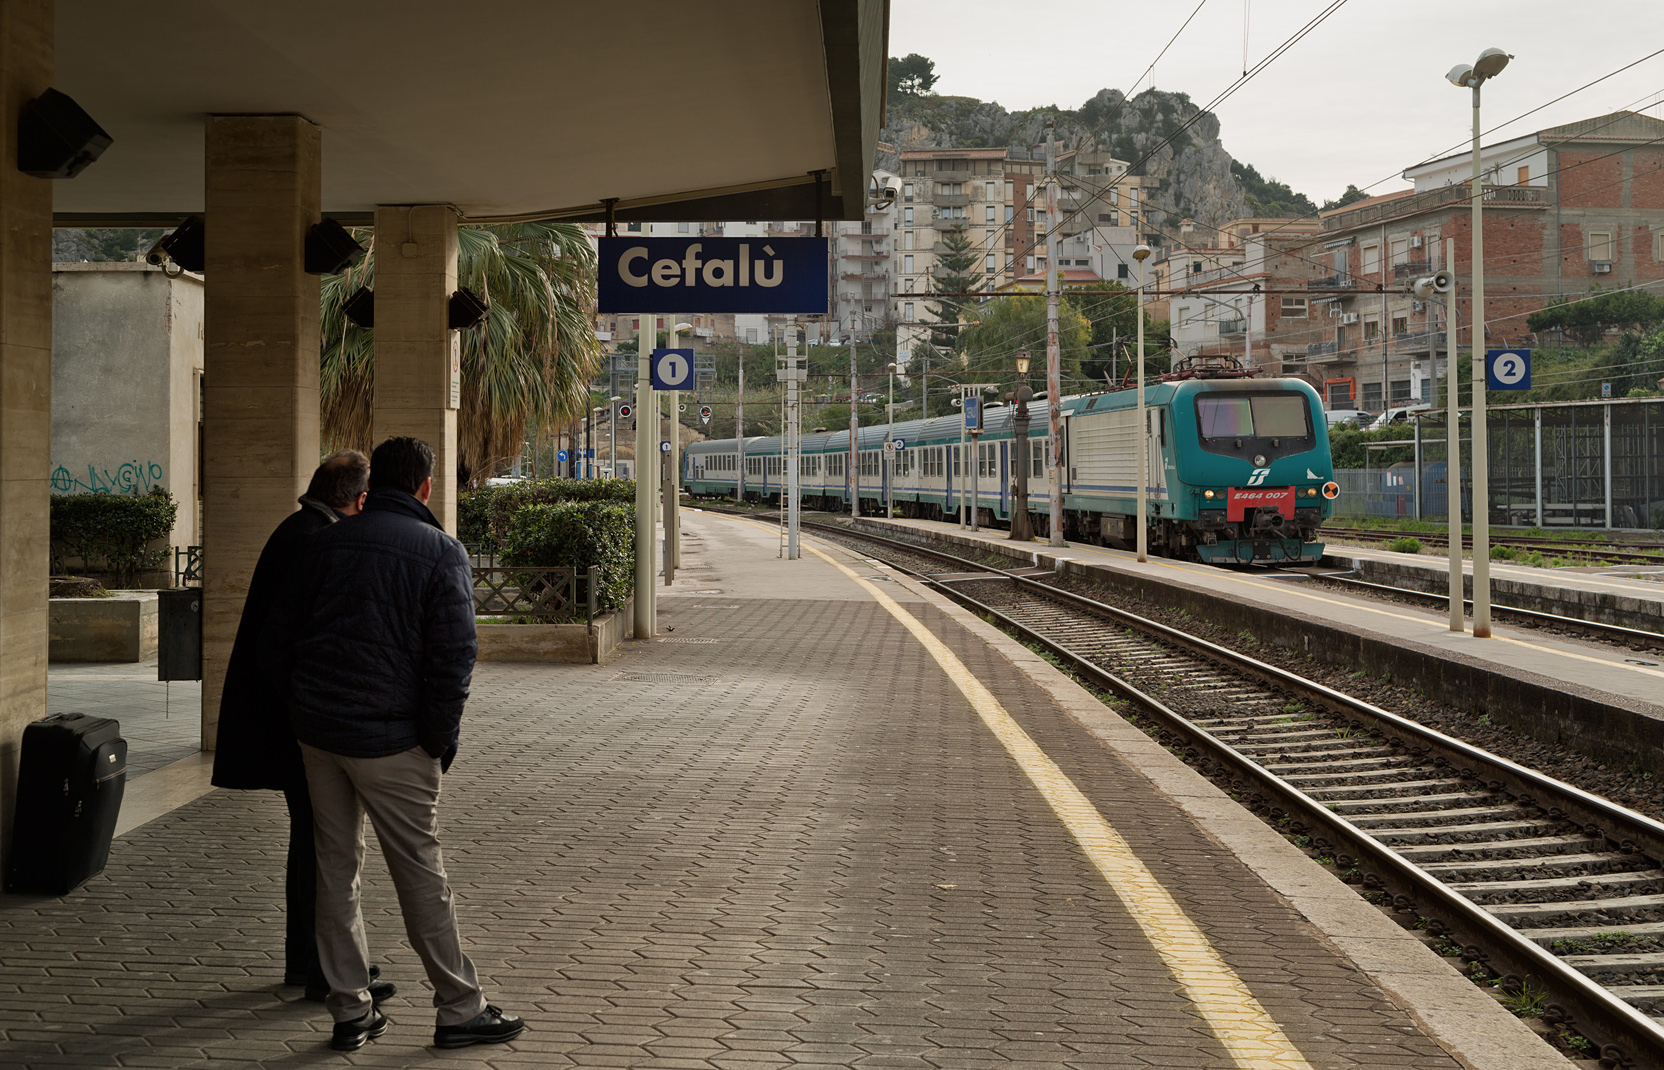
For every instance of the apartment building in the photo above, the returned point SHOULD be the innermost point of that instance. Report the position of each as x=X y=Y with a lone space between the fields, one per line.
x=998 y=198
x=864 y=265
x=1566 y=208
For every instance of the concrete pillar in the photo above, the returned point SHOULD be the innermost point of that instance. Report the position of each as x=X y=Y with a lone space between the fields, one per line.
x=260 y=420
x=25 y=394
x=415 y=393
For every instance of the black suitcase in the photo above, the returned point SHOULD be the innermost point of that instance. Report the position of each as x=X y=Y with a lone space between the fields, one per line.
x=70 y=779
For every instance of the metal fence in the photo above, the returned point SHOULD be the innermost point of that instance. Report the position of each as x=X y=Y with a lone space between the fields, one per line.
x=535 y=595
x=187 y=566
x=1584 y=464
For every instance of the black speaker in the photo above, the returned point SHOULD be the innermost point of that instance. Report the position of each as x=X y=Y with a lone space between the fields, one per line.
x=361 y=308
x=330 y=250
x=467 y=310
x=56 y=139
x=183 y=245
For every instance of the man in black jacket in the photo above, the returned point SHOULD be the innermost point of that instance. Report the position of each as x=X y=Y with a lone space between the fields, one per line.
x=380 y=643
x=255 y=748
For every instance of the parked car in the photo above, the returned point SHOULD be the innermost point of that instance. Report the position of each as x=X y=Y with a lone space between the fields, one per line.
x=1348 y=416
x=1397 y=415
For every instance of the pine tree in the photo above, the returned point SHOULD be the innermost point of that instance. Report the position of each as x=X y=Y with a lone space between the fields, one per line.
x=955 y=272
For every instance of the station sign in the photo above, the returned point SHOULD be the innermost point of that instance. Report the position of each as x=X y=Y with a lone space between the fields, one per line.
x=973 y=412
x=898 y=443
x=708 y=274
x=664 y=445
x=1508 y=369
x=672 y=369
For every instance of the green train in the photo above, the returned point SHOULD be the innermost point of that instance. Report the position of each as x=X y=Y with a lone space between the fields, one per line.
x=1239 y=469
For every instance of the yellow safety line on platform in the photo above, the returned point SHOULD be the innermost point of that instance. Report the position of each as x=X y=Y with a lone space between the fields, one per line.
x=1248 y=1032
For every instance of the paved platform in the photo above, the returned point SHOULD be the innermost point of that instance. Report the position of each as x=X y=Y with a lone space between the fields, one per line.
x=825 y=820
x=1627 y=678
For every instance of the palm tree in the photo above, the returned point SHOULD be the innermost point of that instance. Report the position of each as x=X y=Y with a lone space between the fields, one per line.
x=529 y=363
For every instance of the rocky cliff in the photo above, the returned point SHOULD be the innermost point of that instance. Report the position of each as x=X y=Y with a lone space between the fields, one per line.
x=1193 y=176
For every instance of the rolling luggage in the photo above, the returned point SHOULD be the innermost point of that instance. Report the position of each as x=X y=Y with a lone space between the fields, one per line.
x=71 y=774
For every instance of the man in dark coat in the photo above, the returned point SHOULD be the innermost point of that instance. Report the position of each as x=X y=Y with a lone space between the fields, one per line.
x=379 y=643
x=255 y=747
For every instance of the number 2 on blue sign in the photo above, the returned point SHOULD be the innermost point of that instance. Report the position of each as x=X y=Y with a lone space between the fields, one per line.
x=1510 y=370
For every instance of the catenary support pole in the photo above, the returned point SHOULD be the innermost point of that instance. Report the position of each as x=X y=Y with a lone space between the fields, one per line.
x=739 y=436
x=1453 y=443
x=1481 y=457
x=1054 y=372
x=647 y=424
x=1142 y=432
x=673 y=503
x=854 y=436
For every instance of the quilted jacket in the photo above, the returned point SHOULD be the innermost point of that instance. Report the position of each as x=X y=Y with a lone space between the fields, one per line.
x=379 y=638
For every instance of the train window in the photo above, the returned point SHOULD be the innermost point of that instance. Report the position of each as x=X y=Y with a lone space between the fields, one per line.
x=1280 y=416
x=1228 y=420
x=1161 y=425
x=1225 y=417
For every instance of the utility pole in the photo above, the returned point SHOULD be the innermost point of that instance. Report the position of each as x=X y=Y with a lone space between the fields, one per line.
x=673 y=503
x=1453 y=443
x=792 y=371
x=1054 y=373
x=739 y=435
x=854 y=434
x=646 y=425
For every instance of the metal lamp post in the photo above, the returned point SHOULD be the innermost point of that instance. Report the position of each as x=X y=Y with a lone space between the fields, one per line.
x=889 y=437
x=1489 y=64
x=1019 y=422
x=1142 y=431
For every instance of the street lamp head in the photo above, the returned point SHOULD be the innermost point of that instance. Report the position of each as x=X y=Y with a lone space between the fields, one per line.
x=1461 y=75
x=1491 y=62
x=1141 y=253
x=893 y=367
x=1022 y=362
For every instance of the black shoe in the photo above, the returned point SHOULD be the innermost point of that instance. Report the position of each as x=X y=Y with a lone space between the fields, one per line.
x=490 y=1026
x=350 y=1036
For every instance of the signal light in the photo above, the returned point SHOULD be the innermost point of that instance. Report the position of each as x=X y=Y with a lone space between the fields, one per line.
x=1331 y=490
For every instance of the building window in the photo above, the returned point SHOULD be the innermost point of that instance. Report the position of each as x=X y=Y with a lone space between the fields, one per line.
x=1132 y=197
x=1525 y=175
x=1028 y=263
x=907 y=265
x=907 y=312
x=1372 y=330
x=1009 y=210
x=1600 y=245
x=1114 y=196
x=1658 y=248
x=989 y=191
x=1400 y=326
x=1010 y=262
x=987 y=213
x=866 y=228
x=1294 y=308
x=907 y=285
x=1122 y=271
x=907 y=192
x=1371 y=401
x=1195 y=267
x=1031 y=213
x=1400 y=391
x=681 y=228
x=1371 y=259
x=909 y=235
x=1400 y=249
x=988 y=263
x=1134 y=216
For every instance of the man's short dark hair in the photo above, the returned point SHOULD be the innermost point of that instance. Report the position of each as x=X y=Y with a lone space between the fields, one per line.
x=401 y=464
x=344 y=475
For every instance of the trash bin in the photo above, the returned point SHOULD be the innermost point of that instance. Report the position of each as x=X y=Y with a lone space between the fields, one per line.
x=179 y=644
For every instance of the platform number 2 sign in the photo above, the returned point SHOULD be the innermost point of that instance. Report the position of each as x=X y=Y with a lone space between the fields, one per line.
x=1508 y=369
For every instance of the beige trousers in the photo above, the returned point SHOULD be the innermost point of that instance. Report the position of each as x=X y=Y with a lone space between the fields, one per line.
x=401 y=794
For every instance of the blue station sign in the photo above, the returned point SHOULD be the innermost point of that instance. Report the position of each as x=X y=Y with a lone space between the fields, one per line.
x=1508 y=369
x=712 y=275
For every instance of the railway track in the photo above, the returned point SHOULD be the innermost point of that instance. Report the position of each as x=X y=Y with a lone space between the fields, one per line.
x=1637 y=553
x=1631 y=637
x=1555 y=893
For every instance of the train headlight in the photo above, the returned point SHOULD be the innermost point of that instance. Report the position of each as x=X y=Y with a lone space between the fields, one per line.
x=1208 y=494
x=1311 y=492
x=1331 y=490
x=1259 y=460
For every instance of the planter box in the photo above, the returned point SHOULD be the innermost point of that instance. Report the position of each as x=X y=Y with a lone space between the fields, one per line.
x=122 y=627
x=559 y=644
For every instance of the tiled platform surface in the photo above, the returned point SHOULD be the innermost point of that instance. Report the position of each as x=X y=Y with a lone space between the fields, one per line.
x=1630 y=679
x=776 y=837
x=161 y=721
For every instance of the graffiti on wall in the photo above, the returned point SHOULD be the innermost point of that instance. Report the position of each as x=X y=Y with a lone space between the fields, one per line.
x=129 y=477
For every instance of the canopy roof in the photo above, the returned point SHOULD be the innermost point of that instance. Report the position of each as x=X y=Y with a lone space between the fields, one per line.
x=504 y=108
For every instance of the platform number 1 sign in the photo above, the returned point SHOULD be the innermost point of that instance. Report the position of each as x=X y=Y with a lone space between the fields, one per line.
x=1508 y=369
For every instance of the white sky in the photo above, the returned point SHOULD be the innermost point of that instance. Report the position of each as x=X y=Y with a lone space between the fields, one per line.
x=1358 y=99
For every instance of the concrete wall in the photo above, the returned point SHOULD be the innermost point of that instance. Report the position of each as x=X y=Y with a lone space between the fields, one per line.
x=126 y=356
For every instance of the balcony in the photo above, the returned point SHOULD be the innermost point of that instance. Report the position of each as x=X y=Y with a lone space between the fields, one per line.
x=951 y=200
x=1340 y=281
x=1410 y=269
x=1233 y=327
x=948 y=176
x=859 y=236
x=864 y=276
x=1321 y=349
x=1528 y=197
x=1418 y=341
x=945 y=223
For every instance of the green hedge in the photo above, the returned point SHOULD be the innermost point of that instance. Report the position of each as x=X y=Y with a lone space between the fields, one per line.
x=111 y=533
x=577 y=535
x=484 y=516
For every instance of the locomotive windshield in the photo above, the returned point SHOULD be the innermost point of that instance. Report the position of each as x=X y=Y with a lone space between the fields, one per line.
x=1252 y=415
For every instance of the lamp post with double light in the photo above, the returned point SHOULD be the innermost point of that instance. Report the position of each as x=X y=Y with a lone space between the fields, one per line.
x=1489 y=64
x=1019 y=440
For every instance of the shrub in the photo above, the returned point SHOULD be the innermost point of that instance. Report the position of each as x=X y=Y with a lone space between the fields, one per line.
x=1405 y=545
x=577 y=535
x=484 y=515
x=1503 y=553
x=112 y=533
